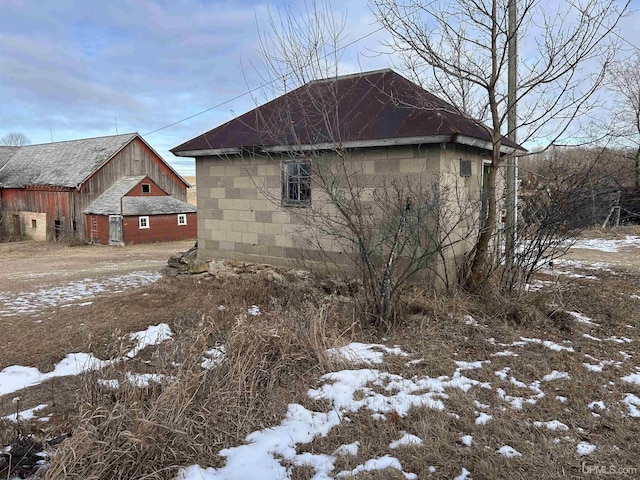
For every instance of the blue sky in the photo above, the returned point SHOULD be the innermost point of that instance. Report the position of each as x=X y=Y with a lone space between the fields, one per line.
x=76 y=69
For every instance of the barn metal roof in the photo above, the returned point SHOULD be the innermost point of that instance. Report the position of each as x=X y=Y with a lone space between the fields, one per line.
x=114 y=202
x=62 y=164
x=365 y=109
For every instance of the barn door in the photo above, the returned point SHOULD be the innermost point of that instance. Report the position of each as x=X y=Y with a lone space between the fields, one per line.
x=115 y=229
x=17 y=226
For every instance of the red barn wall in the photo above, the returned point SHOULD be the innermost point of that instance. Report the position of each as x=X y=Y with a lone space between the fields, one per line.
x=162 y=228
x=134 y=159
x=154 y=190
x=57 y=203
x=100 y=226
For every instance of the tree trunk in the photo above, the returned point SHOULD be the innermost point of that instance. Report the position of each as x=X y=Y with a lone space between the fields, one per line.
x=487 y=226
x=637 y=168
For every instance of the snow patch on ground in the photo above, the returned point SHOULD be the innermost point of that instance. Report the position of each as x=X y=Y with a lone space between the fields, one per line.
x=348 y=449
x=548 y=344
x=357 y=352
x=213 y=357
x=32 y=302
x=508 y=451
x=611 y=246
x=17 y=377
x=585 y=448
x=633 y=377
x=633 y=404
x=552 y=425
x=25 y=414
x=406 y=439
x=483 y=418
x=555 y=375
x=580 y=318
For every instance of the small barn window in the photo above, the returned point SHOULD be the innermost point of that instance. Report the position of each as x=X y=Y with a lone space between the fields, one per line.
x=182 y=219
x=296 y=183
x=34 y=223
x=465 y=168
x=143 y=222
x=146 y=188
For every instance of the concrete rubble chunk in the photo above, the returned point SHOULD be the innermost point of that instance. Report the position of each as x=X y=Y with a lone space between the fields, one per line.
x=186 y=263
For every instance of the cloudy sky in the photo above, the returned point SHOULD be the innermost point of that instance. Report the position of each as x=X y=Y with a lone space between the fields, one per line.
x=75 y=69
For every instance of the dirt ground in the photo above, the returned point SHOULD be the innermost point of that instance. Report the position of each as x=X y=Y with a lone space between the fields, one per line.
x=75 y=297
x=627 y=259
x=55 y=298
x=30 y=265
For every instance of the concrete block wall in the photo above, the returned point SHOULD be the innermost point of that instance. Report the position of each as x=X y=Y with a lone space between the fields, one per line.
x=239 y=201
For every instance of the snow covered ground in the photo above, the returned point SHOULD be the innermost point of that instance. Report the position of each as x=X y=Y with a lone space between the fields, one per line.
x=272 y=453
x=603 y=245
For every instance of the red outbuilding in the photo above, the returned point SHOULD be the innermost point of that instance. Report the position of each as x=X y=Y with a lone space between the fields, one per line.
x=85 y=188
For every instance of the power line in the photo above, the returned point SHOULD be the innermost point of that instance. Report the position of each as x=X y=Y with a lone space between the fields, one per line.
x=266 y=84
x=282 y=77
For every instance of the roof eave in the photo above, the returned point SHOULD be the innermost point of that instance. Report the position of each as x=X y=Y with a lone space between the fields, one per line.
x=486 y=145
x=379 y=142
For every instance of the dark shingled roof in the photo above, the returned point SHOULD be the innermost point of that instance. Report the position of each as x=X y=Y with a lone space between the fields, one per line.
x=109 y=202
x=368 y=107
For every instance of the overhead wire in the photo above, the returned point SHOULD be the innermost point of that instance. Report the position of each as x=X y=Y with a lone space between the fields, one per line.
x=282 y=77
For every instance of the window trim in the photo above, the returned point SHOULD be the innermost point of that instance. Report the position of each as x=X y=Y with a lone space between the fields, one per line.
x=148 y=185
x=144 y=219
x=285 y=183
x=183 y=217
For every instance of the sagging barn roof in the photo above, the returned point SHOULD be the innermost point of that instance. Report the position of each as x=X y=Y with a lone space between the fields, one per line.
x=62 y=164
x=369 y=109
x=114 y=202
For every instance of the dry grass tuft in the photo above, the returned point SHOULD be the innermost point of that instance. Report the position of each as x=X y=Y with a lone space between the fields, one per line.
x=269 y=361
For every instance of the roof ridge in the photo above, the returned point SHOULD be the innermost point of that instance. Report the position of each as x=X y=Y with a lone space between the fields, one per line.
x=130 y=134
x=350 y=75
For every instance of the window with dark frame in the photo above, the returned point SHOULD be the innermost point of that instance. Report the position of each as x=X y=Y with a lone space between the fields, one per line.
x=465 y=167
x=146 y=188
x=296 y=183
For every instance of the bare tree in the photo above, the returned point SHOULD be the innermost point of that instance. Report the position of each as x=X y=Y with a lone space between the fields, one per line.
x=565 y=190
x=389 y=230
x=624 y=81
x=461 y=47
x=15 y=139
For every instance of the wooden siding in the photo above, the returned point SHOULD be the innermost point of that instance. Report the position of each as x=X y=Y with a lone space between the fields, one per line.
x=154 y=190
x=57 y=203
x=134 y=159
x=97 y=229
x=162 y=228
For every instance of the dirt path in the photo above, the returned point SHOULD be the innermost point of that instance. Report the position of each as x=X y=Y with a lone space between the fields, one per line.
x=36 y=264
x=55 y=299
x=627 y=259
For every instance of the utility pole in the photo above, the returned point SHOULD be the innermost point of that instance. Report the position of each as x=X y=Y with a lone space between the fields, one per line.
x=512 y=119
